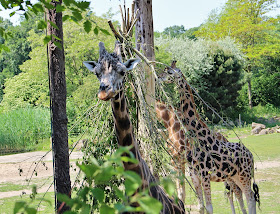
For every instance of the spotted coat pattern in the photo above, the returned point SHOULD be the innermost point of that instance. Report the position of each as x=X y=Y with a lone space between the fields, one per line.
x=212 y=158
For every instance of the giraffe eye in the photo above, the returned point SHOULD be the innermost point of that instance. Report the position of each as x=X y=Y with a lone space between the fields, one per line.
x=121 y=71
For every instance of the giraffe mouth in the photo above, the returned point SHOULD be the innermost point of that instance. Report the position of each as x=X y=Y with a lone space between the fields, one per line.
x=105 y=96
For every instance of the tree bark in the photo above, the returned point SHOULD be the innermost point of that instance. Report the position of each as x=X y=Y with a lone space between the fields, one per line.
x=144 y=34
x=58 y=107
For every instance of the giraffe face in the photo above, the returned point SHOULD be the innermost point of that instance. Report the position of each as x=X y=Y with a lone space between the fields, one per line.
x=110 y=71
x=169 y=73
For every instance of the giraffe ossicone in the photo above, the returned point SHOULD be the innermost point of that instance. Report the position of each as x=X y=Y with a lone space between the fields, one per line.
x=110 y=70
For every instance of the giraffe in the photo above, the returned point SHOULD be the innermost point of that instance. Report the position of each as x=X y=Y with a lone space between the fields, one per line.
x=110 y=70
x=214 y=159
x=178 y=146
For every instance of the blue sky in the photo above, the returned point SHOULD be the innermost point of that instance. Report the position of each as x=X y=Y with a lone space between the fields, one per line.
x=190 y=13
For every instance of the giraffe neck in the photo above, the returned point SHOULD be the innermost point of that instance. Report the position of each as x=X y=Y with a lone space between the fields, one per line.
x=125 y=137
x=172 y=124
x=191 y=117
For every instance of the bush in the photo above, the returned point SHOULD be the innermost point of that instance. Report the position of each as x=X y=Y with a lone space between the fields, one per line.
x=21 y=129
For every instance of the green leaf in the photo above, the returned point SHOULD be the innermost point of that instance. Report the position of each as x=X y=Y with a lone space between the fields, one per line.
x=57 y=38
x=65 y=17
x=87 y=26
x=118 y=192
x=59 y=8
x=128 y=159
x=104 y=31
x=30 y=210
x=58 y=44
x=19 y=205
x=95 y=30
x=42 y=24
x=53 y=25
x=12 y=13
x=132 y=182
x=168 y=186
x=104 y=209
x=83 y=5
x=38 y=7
x=67 y=2
x=150 y=205
x=47 y=39
x=98 y=194
x=77 y=15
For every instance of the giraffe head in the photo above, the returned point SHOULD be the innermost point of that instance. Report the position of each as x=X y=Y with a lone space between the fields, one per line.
x=110 y=71
x=170 y=73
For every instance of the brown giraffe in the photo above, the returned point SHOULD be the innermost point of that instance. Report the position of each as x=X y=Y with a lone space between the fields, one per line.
x=179 y=146
x=214 y=158
x=178 y=149
x=111 y=71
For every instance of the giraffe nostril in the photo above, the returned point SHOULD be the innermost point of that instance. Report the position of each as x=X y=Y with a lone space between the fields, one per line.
x=103 y=87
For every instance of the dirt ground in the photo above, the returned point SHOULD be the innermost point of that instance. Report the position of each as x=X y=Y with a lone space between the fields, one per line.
x=20 y=168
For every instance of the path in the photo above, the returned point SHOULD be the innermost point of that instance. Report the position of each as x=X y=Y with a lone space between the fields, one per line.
x=19 y=168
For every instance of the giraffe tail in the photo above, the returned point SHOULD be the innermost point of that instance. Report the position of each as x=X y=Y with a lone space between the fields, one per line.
x=256 y=193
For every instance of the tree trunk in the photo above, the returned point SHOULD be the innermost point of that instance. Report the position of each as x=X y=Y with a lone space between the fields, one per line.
x=144 y=35
x=250 y=93
x=58 y=107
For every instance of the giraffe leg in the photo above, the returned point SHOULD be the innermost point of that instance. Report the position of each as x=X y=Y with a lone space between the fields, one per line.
x=228 y=186
x=197 y=185
x=207 y=193
x=238 y=193
x=245 y=187
x=251 y=202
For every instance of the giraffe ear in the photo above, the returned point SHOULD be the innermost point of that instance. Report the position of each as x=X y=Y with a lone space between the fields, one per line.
x=90 y=65
x=131 y=63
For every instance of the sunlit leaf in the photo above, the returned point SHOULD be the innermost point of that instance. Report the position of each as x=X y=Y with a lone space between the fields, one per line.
x=150 y=205
x=132 y=182
x=19 y=205
x=104 y=209
x=47 y=39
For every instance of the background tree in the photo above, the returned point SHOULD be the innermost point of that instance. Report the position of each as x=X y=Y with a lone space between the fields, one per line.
x=214 y=68
x=247 y=23
x=174 y=31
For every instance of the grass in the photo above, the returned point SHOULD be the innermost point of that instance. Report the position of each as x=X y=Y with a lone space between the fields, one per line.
x=21 y=129
x=6 y=187
x=46 y=207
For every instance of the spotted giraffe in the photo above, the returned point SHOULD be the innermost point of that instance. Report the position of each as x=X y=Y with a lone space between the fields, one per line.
x=110 y=70
x=214 y=158
x=179 y=146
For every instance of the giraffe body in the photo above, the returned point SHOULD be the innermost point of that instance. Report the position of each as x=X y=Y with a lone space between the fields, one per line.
x=111 y=71
x=213 y=158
